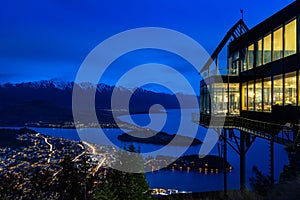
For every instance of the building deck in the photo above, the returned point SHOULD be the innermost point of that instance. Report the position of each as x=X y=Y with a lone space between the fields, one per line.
x=281 y=134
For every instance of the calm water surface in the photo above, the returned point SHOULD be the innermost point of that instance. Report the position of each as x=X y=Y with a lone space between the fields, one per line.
x=192 y=181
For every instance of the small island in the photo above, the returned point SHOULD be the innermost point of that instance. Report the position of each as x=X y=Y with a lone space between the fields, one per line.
x=208 y=164
x=160 y=138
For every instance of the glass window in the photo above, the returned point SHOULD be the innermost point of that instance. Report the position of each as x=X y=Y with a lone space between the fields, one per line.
x=290 y=89
x=267 y=49
x=230 y=63
x=208 y=100
x=258 y=95
x=243 y=60
x=277 y=90
x=234 y=99
x=236 y=55
x=244 y=96
x=277 y=44
x=251 y=96
x=205 y=100
x=250 y=56
x=234 y=64
x=259 y=53
x=267 y=101
x=290 y=38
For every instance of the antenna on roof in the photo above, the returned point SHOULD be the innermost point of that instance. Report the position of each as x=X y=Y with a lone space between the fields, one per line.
x=242 y=12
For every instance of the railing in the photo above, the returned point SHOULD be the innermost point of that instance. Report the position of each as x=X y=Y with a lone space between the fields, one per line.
x=221 y=71
x=258 y=125
x=279 y=133
x=218 y=120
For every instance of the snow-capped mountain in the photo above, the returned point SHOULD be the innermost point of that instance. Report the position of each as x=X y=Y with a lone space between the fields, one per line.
x=51 y=100
x=60 y=93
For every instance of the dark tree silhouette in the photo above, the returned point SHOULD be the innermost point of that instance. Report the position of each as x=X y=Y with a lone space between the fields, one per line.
x=260 y=183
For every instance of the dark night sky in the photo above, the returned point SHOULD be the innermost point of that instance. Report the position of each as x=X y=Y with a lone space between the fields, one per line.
x=50 y=38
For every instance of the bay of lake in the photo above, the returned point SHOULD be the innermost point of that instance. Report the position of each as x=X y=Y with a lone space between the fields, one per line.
x=258 y=153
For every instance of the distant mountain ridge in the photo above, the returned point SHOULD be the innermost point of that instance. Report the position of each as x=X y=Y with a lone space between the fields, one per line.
x=51 y=100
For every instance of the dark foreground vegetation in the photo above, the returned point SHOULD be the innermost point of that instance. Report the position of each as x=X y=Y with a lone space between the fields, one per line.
x=66 y=178
x=75 y=182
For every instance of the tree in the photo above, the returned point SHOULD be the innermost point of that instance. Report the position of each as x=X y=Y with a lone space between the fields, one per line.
x=105 y=191
x=260 y=183
x=71 y=180
x=122 y=184
x=75 y=180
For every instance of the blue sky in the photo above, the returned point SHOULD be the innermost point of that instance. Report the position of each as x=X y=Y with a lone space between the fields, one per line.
x=50 y=38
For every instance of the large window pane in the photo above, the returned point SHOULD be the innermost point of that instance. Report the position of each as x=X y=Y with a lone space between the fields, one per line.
x=244 y=96
x=259 y=53
x=277 y=44
x=250 y=56
x=290 y=38
x=290 y=89
x=267 y=49
x=277 y=90
x=251 y=96
x=258 y=95
x=234 y=99
x=267 y=101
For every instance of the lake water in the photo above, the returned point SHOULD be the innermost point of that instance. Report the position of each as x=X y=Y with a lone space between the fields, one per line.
x=257 y=155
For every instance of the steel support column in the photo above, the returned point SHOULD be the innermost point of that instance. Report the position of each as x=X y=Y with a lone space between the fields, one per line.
x=242 y=162
x=272 y=161
x=225 y=162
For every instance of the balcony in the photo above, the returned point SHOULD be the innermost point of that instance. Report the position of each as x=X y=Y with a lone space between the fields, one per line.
x=282 y=134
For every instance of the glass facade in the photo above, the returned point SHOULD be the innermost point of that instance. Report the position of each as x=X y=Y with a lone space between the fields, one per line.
x=290 y=38
x=224 y=100
x=259 y=94
x=280 y=43
x=262 y=94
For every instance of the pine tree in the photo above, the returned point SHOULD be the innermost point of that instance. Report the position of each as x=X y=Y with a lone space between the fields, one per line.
x=106 y=191
x=71 y=179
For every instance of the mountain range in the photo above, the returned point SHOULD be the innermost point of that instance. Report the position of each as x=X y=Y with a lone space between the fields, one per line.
x=50 y=101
